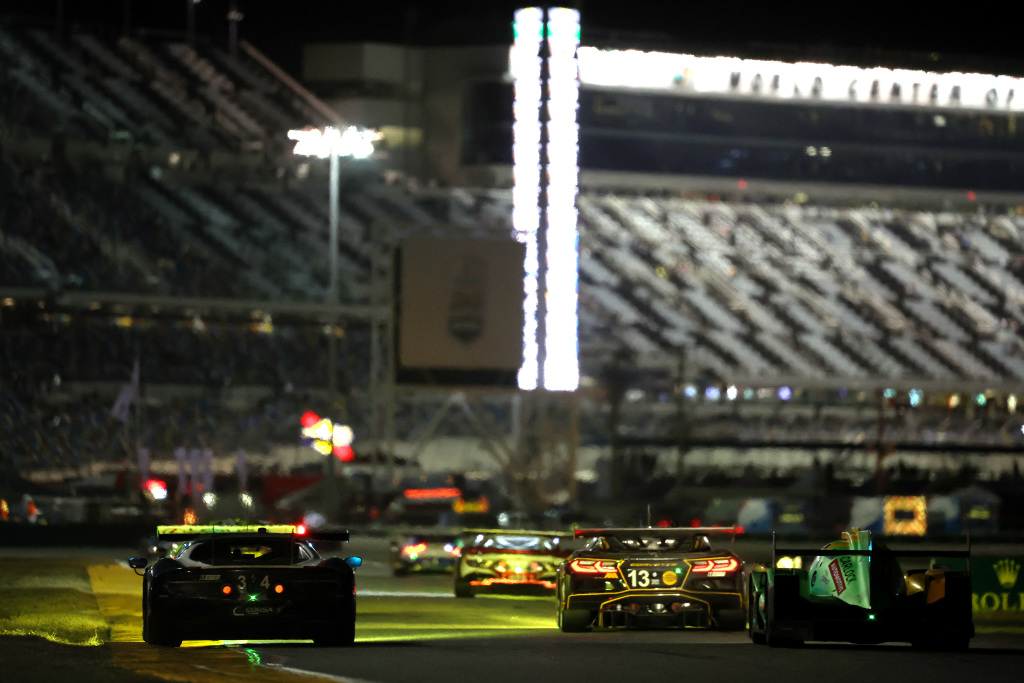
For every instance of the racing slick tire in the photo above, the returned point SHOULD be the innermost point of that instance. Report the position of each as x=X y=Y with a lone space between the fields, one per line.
x=574 y=620
x=154 y=630
x=343 y=636
x=770 y=638
x=754 y=626
x=463 y=589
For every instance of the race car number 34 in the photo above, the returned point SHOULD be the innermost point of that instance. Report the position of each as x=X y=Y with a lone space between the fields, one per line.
x=248 y=583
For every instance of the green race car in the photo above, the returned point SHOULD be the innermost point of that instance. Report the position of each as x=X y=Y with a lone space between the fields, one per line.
x=856 y=591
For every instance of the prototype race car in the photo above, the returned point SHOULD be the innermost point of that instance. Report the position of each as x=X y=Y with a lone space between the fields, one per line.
x=425 y=553
x=248 y=582
x=649 y=577
x=856 y=591
x=508 y=561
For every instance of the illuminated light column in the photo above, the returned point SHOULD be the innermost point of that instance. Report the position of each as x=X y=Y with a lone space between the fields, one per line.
x=525 y=65
x=561 y=342
x=553 y=214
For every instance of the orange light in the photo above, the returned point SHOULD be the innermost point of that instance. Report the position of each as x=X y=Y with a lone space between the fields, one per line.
x=581 y=566
x=717 y=564
x=279 y=589
x=433 y=493
x=226 y=590
x=414 y=549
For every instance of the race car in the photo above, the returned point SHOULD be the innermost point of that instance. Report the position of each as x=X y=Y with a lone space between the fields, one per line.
x=509 y=561
x=856 y=591
x=427 y=552
x=242 y=582
x=651 y=577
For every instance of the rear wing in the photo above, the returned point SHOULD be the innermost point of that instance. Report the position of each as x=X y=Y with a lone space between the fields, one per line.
x=186 y=532
x=520 y=532
x=660 y=532
x=873 y=552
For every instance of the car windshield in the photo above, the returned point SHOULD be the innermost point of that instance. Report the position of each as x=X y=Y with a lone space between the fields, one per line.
x=248 y=551
x=516 y=542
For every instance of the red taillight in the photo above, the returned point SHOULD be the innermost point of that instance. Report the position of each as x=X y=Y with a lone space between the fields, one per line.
x=716 y=564
x=279 y=589
x=226 y=590
x=300 y=530
x=414 y=549
x=582 y=566
x=453 y=550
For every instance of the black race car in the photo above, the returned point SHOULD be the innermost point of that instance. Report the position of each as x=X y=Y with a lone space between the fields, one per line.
x=650 y=577
x=248 y=583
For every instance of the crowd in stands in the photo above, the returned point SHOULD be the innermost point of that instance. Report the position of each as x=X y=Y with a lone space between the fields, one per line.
x=751 y=292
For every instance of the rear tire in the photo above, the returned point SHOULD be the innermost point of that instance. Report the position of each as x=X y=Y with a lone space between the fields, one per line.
x=574 y=620
x=754 y=626
x=463 y=589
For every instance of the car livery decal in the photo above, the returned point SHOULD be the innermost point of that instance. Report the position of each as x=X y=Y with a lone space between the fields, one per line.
x=837 y=577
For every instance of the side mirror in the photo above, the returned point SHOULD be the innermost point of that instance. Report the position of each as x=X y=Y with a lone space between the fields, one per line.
x=354 y=561
x=138 y=562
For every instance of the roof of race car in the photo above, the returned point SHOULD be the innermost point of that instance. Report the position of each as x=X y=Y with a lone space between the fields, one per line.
x=659 y=532
x=183 y=532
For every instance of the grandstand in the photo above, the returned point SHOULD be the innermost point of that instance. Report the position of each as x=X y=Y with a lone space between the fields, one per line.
x=152 y=209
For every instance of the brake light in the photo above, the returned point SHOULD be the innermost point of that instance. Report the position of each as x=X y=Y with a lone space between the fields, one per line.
x=414 y=549
x=300 y=530
x=453 y=549
x=716 y=564
x=582 y=566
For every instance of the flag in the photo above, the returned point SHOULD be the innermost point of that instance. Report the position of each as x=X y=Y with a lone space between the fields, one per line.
x=129 y=392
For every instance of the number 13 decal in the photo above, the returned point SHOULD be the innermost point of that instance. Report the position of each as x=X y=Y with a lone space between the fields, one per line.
x=639 y=579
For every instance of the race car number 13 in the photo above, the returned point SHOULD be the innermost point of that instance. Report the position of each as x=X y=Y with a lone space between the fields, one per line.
x=639 y=578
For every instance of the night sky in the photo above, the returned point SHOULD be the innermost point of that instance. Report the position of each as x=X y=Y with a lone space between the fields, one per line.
x=280 y=27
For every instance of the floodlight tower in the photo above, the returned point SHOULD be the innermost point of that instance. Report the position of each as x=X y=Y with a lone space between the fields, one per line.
x=545 y=137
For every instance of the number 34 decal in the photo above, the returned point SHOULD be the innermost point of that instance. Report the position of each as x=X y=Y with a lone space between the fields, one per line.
x=265 y=583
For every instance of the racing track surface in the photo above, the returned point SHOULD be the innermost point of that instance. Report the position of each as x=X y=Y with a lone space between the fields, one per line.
x=411 y=629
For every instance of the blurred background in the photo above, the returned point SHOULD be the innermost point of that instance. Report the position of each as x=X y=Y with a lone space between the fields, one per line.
x=800 y=279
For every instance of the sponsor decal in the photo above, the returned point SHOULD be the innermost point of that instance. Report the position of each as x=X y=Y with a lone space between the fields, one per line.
x=210 y=577
x=837 y=576
x=251 y=610
x=669 y=577
x=714 y=574
x=1006 y=572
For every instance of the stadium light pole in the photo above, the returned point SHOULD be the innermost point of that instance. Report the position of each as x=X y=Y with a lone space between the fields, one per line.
x=333 y=143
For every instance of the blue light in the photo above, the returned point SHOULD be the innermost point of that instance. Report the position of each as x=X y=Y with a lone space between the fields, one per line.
x=712 y=393
x=784 y=393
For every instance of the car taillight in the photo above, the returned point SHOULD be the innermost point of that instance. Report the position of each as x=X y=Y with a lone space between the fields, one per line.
x=716 y=564
x=226 y=590
x=414 y=549
x=279 y=589
x=582 y=566
x=453 y=549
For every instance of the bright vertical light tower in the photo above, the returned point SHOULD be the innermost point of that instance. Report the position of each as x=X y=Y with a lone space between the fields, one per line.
x=561 y=343
x=525 y=65
x=562 y=28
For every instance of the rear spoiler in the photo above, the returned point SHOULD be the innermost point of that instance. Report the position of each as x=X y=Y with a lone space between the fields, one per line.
x=659 y=531
x=520 y=532
x=185 y=532
x=874 y=552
